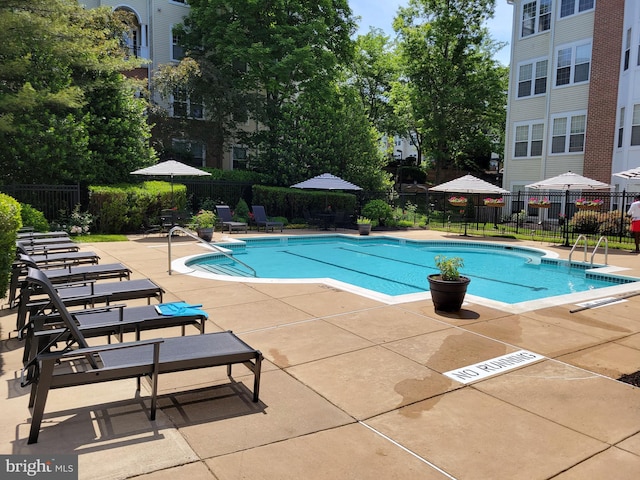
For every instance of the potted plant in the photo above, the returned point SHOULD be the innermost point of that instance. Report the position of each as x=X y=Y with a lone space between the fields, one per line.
x=204 y=222
x=458 y=201
x=448 y=288
x=584 y=204
x=494 y=202
x=539 y=202
x=364 y=225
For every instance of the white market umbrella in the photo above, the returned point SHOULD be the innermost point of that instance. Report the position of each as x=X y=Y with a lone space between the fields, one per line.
x=632 y=174
x=170 y=168
x=568 y=181
x=468 y=184
x=326 y=181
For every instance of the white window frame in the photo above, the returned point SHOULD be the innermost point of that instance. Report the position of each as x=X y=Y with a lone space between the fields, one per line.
x=174 y=45
x=573 y=120
x=534 y=133
x=626 y=54
x=536 y=67
x=635 y=126
x=577 y=7
x=572 y=49
x=539 y=24
x=189 y=107
x=621 y=127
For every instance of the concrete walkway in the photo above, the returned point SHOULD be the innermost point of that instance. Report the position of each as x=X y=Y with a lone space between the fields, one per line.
x=354 y=389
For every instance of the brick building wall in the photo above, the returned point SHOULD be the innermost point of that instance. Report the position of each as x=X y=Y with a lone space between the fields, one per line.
x=603 y=89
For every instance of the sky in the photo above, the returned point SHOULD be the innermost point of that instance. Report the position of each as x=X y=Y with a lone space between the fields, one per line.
x=380 y=14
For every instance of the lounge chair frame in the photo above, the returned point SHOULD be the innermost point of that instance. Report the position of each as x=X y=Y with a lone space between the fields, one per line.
x=126 y=360
x=224 y=214
x=261 y=219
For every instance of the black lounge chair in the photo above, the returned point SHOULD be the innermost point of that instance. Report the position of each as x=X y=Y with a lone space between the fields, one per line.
x=45 y=245
x=61 y=259
x=29 y=234
x=49 y=370
x=224 y=214
x=260 y=217
x=64 y=275
x=43 y=331
x=87 y=293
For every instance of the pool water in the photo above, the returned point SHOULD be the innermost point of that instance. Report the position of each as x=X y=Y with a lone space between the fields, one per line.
x=393 y=266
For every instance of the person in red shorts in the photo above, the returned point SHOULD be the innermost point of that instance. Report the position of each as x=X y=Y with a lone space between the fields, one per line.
x=634 y=213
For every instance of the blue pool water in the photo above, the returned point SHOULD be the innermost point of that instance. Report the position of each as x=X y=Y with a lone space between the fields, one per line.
x=395 y=266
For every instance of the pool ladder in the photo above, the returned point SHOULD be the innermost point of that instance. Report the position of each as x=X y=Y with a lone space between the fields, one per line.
x=584 y=238
x=210 y=245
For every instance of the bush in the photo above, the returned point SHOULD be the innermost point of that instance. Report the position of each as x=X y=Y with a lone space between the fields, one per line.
x=241 y=212
x=378 y=211
x=32 y=217
x=10 y=223
x=585 y=222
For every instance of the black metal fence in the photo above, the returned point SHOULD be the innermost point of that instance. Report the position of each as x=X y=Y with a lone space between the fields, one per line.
x=49 y=199
x=544 y=214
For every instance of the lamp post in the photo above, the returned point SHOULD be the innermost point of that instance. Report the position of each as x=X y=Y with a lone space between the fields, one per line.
x=399 y=167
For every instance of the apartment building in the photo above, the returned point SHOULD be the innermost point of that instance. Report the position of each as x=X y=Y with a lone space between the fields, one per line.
x=574 y=91
x=151 y=38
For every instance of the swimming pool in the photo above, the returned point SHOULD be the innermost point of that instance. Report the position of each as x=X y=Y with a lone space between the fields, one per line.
x=397 y=268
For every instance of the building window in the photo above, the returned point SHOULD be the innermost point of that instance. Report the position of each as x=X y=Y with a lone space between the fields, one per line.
x=621 y=127
x=532 y=79
x=638 y=60
x=570 y=7
x=568 y=134
x=185 y=105
x=627 y=51
x=573 y=64
x=189 y=151
x=239 y=158
x=536 y=17
x=528 y=141
x=635 y=126
x=177 y=51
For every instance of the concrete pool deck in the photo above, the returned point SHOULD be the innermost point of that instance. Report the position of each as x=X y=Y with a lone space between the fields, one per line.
x=354 y=388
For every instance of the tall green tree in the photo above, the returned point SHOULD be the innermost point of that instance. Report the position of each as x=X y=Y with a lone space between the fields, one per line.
x=453 y=93
x=256 y=57
x=67 y=114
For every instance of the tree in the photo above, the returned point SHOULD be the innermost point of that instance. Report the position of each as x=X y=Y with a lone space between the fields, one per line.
x=453 y=91
x=67 y=114
x=255 y=58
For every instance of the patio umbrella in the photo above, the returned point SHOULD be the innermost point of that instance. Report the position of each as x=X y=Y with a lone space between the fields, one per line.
x=326 y=181
x=170 y=168
x=568 y=181
x=632 y=174
x=468 y=184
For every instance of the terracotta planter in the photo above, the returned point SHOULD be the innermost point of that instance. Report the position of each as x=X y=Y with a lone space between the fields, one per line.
x=458 y=204
x=206 y=234
x=494 y=204
x=538 y=205
x=447 y=295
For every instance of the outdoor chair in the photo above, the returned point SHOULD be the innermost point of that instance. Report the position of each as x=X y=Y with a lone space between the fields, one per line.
x=63 y=275
x=44 y=245
x=86 y=293
x=260 y=217
x=60 y=259
x=42 y=332
x=312 y=221
x=224 y=214
x=28 y=234
x=86 y=365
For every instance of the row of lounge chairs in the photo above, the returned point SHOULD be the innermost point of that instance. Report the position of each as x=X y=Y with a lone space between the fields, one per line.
x=58 y=355
x=259 y=216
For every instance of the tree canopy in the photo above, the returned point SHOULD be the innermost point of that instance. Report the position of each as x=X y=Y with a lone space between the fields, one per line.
x=67 y=114
x=451 y=93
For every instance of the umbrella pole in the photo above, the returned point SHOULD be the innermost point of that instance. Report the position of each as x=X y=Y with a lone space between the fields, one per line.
x=566 y=220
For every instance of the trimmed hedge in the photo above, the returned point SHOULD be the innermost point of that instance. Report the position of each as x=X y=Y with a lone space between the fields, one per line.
x=292 y=202
x=10 y=223
x=132 y=208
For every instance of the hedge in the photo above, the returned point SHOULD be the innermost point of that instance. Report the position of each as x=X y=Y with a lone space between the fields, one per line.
x=10 y=223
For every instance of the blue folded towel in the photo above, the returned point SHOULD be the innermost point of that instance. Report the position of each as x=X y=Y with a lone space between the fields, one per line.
x=180 y=309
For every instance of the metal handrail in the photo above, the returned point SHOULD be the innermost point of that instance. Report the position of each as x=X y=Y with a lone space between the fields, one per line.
x=210 y=245
x=581 y=236
x=606 y=249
